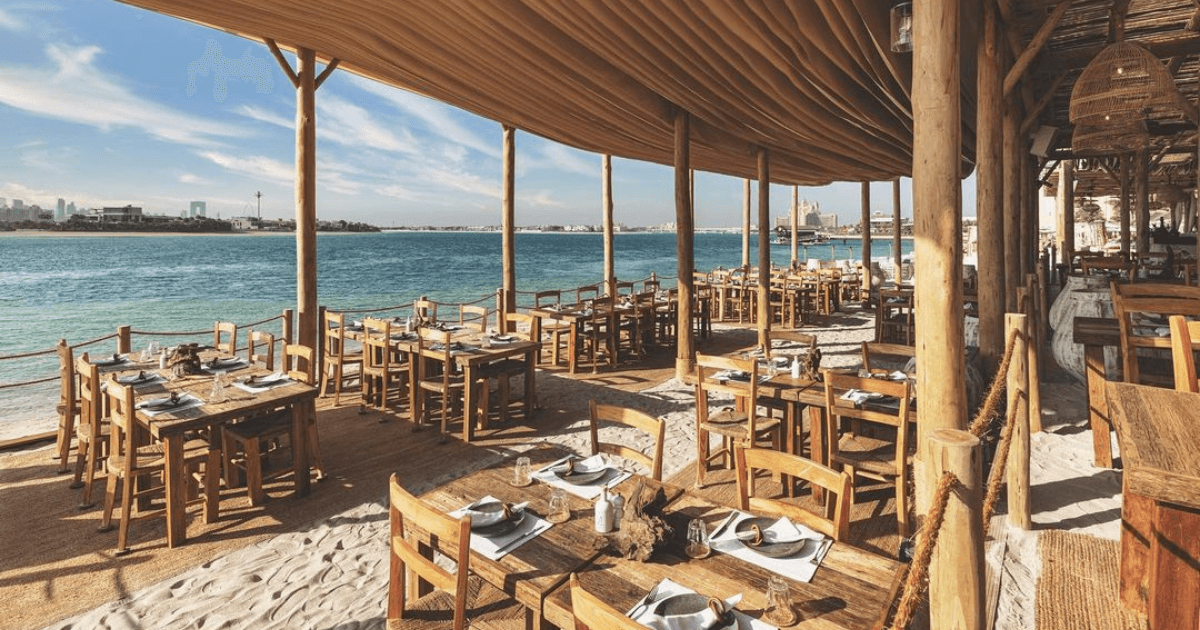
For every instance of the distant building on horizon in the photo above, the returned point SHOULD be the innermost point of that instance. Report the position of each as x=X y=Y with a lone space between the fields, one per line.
x=198 y=209
x=126 y=213
x=60 y=213
x=3 y=202
x=17 y=204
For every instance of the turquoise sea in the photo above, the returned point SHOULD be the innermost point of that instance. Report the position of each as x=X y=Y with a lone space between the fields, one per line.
x=80 y=288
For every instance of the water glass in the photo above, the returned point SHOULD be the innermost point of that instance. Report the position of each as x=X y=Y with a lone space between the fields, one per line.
x=521 y=476
x=697 y=540
x=779 y=603
x=560 y=510
x=151 y=352
x=218 y=390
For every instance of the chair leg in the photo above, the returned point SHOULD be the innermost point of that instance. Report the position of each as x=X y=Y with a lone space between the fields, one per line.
x=254 y=477
x=126 y=514
x=212 y=485
x=314 y=447
x=233 y=476
x=110 y=498
x=81 y=455
x=337 y=384
x=90 y=477
x=701 y=457
x=902 y=505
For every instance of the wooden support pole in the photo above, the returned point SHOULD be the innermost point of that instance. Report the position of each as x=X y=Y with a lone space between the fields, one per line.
x=606 y=203
x=795 y=226
x=1018 y=398
x=956 y=572
x=124 y=339
x=764 y=246
x=508 y=217
x=1141 y=187
x=866 y=237
x=685 y=357
x=306 y=199
x=1012 y=206
x=989 y=190
x=1035 y=46
x=1026 y=218
x=897 y=258
x=1066 y=209
x=746 y=222
x=288 y=329
x=1033 y=345
x=1125 y=205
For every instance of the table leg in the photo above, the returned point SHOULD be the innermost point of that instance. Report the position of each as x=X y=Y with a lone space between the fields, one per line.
x=414 y=389
x=1097 y=403
x=1136 y=524
x=1174 y=602
x=468 y=402
x=176 y=490
x=816 y=445
x=300 y=464
x=530 y=370
x=790 y=418
x=572 y=349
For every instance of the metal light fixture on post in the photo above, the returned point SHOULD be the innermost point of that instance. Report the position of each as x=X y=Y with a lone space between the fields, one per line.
x=902 y=22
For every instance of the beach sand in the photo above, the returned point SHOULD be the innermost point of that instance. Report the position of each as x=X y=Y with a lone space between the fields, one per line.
x=334 y=573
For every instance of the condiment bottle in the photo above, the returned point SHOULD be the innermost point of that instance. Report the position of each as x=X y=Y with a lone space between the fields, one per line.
x=796 y=367
x=162 y=359
x=604 y=513
x=618 y=509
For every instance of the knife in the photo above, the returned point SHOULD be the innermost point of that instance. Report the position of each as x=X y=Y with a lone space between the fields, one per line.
x=728 y=519
x=510 y=545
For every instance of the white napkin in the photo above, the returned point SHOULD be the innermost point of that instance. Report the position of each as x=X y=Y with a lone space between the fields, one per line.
x=499 y=546
x=859 y=397
x=478 y=518
x=741 y=377
x=262 y=383
x=589 y=492
x=151 y=379
x=798 y=567
x=668 y=588
x=224 y=367
x=187 y=401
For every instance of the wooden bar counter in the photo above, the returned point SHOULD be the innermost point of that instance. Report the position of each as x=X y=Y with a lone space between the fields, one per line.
x=1158 y=431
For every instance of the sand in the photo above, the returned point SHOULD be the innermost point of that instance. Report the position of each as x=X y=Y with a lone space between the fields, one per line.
x=334 y=574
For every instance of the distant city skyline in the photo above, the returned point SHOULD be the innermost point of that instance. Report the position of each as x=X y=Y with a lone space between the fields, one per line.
x=110 y=105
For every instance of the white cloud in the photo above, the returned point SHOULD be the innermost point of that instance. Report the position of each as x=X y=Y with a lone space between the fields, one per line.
x=255 y=166
x=438 y=117
x=396 y=191
x=10 y=21
x=560 y=157
x=538 y=199
x=346 y=123
x=262 y=115
x=47 y=198
x=75 y=89
x=458 y=180
x=192 y=178
x=37 y=155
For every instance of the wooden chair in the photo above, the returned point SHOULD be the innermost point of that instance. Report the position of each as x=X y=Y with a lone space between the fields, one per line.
x=229 y=330
x=425 y=311
x=473 y=317
x=337 y=357
x=68 y=404
x=737 y=426
x=459 y=597
x=1140 y=339
x=261 y=349
x=880 y=358
x=521 y=326
x=598 y=333
x=129 y=464
x=834 y=522
x=654 y=427
x=442 y=381
x=250 y=443
x=559 y=332
x=623 y=288
x=383 y=364
x=875 y=458
x=93 y=430
x=1185 y=341
x=793 y=337
x=894 y=318
x=588 y=292
x=593 y=614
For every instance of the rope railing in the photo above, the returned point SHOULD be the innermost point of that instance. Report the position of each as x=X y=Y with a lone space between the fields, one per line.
x=92 y=342
x=26 y=355
x=171 y=333
x=347 y=311
x=991 y=402
x=27 y=383
x=917 y=579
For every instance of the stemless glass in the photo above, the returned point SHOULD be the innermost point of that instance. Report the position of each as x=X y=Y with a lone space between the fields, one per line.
x=521 y=476
x=217 y=394
x=560 y=511
x=151 y=352
x=697 y=540
x=779 y=602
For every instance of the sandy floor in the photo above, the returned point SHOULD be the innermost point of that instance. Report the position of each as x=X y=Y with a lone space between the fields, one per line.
x=334 y=575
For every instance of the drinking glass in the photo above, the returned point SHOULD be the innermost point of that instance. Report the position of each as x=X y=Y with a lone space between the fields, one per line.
x=218 y=390
x=521 y=476
x=151 y=352
x=560 y=511
x=779 y=602
x=697 y=540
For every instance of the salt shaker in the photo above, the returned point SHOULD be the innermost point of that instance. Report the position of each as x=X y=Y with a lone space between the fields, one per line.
x=795 y=367
x=618 y=508
x=604 y=513
x=162 y=359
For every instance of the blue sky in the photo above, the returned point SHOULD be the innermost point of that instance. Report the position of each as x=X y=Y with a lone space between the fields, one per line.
x=95 y=108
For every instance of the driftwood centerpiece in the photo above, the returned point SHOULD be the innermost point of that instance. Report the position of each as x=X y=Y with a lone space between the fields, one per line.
x=185 y=361
x=810 y=365
x=642 y=531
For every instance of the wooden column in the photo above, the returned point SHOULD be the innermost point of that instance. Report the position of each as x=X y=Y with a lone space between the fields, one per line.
x=1066 y=209
x=1024 y=247
x=746 y=222
x=1141 y=186
x=306 y=198
x=764 y=246
x=1018 y=398
x=1125 y=204
x=685 y=357
x=606 y=203
x=1012 y=204
x=956 y=573
x=897 y=258
x=508 y=216
x=989 y=189
x=795 y=225
x=866 y=237
x=937 y=213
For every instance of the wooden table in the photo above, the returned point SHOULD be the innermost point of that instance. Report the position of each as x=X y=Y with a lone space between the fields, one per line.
x=170 y=428
x=1094 y=334
x=851 y=589
x=532 y=571
x=575 y=315
x=1158 y=430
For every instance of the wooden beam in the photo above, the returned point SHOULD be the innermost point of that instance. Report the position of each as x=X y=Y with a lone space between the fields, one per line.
x=306 y=199
x=1032 y=117
x=989 y=188
x=1066 y=208
x=1182 y=44
x=764 y=247
x=746 y=222
x=329 y=68
x=1125 y=168
x=1116 y=20
x=1013 y=37
x=795 y=226
x=508 y=216
x=606 y=209
x=957 y=572
x=897 y=258
x=1019 y=386
x=1035 y=46
x=865 y=252
x=1193 y=25
x=685 y=352
x=1012 y=147
x=283 y=63
x=1141 y=186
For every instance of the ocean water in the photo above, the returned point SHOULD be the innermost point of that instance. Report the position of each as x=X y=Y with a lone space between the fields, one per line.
x=81 y=288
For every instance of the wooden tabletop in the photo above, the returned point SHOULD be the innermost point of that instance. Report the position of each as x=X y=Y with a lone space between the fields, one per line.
x=851 y=589
x=1097 y=331
x=1159 y=430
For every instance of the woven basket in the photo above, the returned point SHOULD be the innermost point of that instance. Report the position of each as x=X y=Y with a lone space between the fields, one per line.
x=1110 y=138
x=1123 y=82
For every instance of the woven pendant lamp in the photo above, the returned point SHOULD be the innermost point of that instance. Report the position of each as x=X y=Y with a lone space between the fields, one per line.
x=1109 y=137
x=1123 y=82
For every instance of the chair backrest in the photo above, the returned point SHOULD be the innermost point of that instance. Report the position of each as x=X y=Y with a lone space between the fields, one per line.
x=1185 y=341
x=873 y=351
x=838 y=383
x=587 y=292
x=425 y=311
x=473 y=317
x=262 y=348
x=412 y=523
x=708 y=366
x=552 y=297
x=835 y=522
x=122 y=420
x=792 y=337
x=335 y=334
x=377 y=343
x=624 y=288
x=67 y=379
x=593 y=614
x=90 y=397
x=1133 y=302
x=654 y=427
x=300 y=363
x=651 y=286
x=524 y=326
x=221 y=329
x=427 y=337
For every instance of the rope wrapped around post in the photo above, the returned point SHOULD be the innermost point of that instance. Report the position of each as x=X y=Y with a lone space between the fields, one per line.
x=918 y=572
x=987 y=410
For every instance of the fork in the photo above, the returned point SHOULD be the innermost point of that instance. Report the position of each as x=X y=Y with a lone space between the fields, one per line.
x=815 y=560
x=647 y=602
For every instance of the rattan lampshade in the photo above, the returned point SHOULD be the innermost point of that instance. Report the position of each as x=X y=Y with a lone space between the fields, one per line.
x=1123 y=82
x=1110 y=137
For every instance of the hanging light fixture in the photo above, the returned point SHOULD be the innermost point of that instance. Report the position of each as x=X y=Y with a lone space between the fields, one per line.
x=1124 y=82
x=1112 y=137
x=902 y=23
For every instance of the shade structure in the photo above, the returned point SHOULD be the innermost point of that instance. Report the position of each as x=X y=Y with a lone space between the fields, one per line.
x=1122 y=83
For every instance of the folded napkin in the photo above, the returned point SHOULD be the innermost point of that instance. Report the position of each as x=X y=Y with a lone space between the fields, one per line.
x=738 y=375
x=614 y=476
x=258 y=384
x=497 y=547
x=859 y=397
x=798 y=567
x=141 y=379
x=226 y=365
x=116 y=359
x=186 y=401
x=644 y=612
